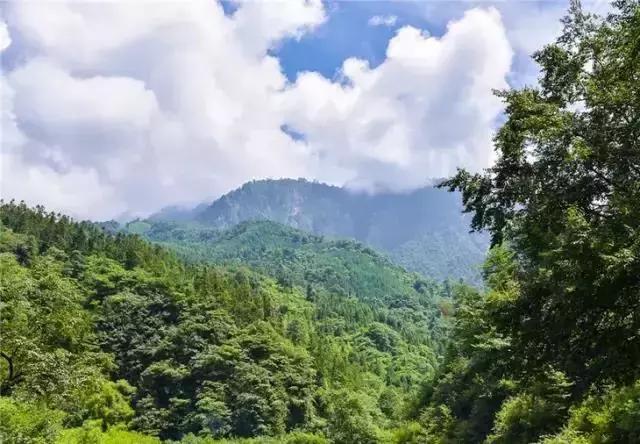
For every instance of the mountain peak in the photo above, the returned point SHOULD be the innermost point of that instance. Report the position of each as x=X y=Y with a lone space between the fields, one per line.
x=423 y=230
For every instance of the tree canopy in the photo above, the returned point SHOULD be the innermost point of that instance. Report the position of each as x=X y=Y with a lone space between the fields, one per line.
x=106 y=337
x=284 y=337
x=553 y=346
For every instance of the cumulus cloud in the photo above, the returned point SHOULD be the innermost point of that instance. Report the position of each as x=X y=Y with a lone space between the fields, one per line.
x=262 y=23
x=529 y=26
x=118 y=107
x=383 y=20
x=5 y=40
x=425 y=110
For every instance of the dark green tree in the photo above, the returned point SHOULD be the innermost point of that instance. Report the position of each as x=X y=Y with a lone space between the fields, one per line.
x=564 y=194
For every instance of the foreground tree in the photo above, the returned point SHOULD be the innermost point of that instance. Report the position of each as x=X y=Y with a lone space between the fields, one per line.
x=552 y=347
x=565 y=195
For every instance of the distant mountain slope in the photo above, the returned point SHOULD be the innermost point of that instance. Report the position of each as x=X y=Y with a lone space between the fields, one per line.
x=292 y=256
x=423 y=230
x=325 y=269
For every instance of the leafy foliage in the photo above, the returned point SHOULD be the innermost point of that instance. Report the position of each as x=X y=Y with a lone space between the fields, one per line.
x=423 y=230
x=609 y=418
x=107 y=338
x=551 y=352
x=296 y=258
x=564 y=193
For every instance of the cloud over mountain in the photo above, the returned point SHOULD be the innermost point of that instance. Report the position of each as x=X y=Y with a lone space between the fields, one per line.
x=120 y=106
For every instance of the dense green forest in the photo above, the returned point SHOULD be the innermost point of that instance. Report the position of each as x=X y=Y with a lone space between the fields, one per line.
x=551 y=352
x=293 y=257
x=108 y=338
x=423 y=230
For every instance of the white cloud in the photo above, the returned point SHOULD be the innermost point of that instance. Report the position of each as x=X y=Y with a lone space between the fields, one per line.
x=427 y=109
x=5 y=40
x=262 y=23
x=383 y=20
x=529 y=25
x=118 y=106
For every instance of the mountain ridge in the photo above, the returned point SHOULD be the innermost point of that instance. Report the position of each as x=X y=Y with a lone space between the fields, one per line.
x=422 y=230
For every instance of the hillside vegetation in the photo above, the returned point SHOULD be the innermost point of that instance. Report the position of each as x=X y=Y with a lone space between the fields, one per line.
x=423 y=230
x=106 y=338
x=296 y=258
x=293 y=256
x=551 y=353
x=292 y=338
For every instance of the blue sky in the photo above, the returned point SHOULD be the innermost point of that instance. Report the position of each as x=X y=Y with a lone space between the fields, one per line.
x=348 y=33
x=113 y=107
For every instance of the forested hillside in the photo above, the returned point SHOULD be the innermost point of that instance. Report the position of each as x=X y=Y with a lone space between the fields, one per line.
x=423 y=230
x=106 y=338
x=293 y=338
x=551 y=353
x=292 y=257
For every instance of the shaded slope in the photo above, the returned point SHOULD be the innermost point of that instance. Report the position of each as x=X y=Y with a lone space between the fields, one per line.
x=296 y=258
x=423 y=230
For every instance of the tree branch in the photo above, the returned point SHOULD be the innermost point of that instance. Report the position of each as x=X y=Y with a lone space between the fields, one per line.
x=9 y=360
